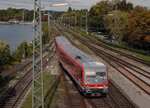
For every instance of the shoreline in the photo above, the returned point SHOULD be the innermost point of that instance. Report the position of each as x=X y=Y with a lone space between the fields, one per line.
x=7 y=23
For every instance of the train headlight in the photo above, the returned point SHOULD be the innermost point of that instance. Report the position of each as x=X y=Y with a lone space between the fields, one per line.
x=96 y=80
x=104 y=86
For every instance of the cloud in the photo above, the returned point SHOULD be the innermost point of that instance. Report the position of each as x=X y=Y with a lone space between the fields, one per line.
x=16 y=4
x=77 y=4
x=140 y=2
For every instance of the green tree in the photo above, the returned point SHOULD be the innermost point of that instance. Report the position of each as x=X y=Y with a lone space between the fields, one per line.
x=69 y=9
x=4 y=54
x=122 y=18
x=18 y=54
x=11 y=13
x=45 y=36
x=138 y=26
x=97 y=12
x=124 y=6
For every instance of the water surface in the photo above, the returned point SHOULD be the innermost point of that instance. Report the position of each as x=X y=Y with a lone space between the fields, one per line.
x=14 y=34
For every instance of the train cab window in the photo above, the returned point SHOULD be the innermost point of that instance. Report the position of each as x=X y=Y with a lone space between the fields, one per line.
x=98 y=75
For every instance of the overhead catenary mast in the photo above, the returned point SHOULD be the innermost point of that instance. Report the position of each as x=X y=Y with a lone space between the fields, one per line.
x=87 y=22
x=115 y=24
x=23 y=44
x=37 y=83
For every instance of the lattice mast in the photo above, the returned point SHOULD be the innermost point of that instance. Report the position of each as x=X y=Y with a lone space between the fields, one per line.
x=37 y=83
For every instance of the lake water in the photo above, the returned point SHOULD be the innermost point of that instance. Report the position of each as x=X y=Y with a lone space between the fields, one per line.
x=14 y=34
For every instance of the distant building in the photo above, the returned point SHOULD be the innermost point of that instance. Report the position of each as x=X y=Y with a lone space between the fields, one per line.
x=14 y=21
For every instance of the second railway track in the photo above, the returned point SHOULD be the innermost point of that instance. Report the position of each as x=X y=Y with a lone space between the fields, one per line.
x=13 y=97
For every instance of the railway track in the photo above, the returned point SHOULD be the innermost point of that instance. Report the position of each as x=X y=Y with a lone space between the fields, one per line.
x=13 y=97
x=114 y=99
x=114 y=62
x=147 y=63
x=125 y=63
x=122 y=66
x=74 y=99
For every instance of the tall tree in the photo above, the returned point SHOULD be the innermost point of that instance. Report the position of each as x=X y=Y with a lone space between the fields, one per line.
x=96 y=14
x=69 y=9
x=138 y=27
x=121 y=24
x=124 y=6
x=4 y=54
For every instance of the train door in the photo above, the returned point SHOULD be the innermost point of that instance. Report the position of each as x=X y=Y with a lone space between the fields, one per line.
x=80 y=76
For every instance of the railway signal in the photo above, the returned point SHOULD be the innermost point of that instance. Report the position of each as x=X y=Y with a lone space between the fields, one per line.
x=47 y=63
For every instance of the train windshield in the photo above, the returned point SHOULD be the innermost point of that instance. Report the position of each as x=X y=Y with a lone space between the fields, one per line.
x=95 y=76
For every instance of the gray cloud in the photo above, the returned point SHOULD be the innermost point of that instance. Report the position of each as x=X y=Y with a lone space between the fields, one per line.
x=140 y=2
x=77 y=4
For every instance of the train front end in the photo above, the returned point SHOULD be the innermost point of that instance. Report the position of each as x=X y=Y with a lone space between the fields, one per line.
x=95 y=79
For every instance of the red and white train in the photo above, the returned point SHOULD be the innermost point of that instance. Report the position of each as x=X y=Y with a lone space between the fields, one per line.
x=90 y=75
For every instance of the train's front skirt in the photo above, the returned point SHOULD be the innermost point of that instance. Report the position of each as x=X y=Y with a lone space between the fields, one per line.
x=96 y=91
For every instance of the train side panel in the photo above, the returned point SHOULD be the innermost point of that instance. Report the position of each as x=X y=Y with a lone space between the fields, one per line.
x=74 y=69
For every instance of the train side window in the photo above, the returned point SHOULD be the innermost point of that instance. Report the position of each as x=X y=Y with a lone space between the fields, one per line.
x=63 y=56
x=76 y=70
x=80 y=74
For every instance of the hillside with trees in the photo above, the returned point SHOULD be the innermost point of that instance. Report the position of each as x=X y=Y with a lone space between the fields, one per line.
x=12 y=13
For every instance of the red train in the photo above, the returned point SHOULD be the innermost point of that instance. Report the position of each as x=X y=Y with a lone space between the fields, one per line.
x=90 y=75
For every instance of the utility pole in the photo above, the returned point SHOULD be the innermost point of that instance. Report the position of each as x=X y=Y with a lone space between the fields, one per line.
x=75 y=19
x=87 y=22
x=48 y=23
x=23 y=45
x=81 y=22
x=64 y=20
x=115 y=24
x=69 y=21
x=37 y=76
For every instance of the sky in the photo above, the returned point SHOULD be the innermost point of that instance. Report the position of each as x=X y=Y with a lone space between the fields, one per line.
x=77 y=4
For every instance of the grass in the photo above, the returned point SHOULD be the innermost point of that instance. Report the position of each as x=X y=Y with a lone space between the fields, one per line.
x=137 y=52
x=48 y=79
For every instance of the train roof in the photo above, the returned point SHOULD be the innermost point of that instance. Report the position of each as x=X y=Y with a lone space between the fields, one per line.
x=62 y=40
x=83 y=58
